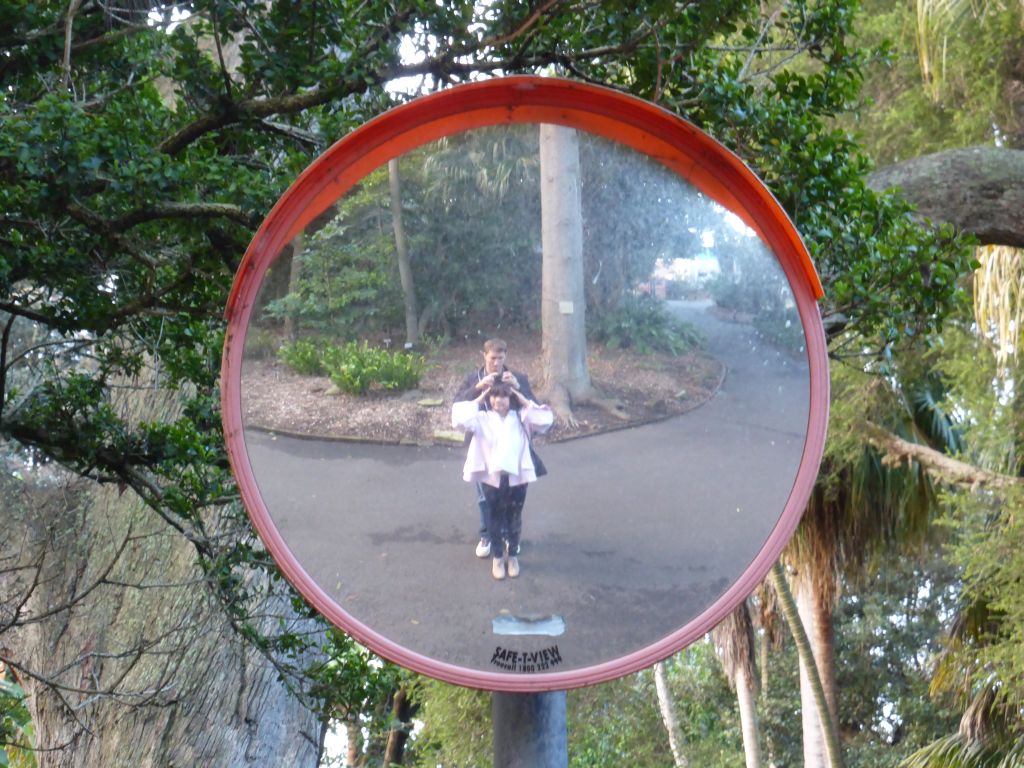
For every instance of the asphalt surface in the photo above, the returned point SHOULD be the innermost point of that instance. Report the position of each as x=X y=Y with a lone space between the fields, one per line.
x=631 y=536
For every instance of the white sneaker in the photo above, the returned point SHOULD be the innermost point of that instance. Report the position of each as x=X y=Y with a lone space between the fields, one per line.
x=513 y=567
x=498 y=568
x=483 y=548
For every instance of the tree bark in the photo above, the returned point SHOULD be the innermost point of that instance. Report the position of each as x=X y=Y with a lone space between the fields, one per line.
x=401 y=709
x=668 y=716
x=127 y=659
x=978 y=189
x=355 y=741
x=563 y=304
x=412 y=328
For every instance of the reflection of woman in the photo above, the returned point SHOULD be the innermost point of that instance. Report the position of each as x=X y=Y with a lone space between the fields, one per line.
x=499 y=459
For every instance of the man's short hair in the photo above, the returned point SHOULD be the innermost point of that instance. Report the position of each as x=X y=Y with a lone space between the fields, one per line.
x=495 y=345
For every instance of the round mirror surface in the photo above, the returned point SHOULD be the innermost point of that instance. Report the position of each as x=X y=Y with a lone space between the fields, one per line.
x=662 y=436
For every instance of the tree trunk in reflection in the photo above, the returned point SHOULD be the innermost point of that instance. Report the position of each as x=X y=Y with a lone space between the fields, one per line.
x=412 y=328
x=294 y=275
x=563 y=301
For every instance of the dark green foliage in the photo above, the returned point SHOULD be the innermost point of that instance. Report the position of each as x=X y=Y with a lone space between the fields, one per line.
x=347 y=282
x=885 y=277
x=469 y=266
x=477 y=268
x=617 y=722
x=353 y=680
x=643 y=324
x=889 y=636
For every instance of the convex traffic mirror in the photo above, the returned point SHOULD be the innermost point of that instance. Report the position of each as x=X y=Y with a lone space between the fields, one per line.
x=543 y=212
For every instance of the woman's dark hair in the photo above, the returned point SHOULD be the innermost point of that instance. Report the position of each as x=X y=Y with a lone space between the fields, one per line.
x=502 y=389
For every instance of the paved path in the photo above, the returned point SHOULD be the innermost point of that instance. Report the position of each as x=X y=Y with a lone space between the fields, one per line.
x=632 y=535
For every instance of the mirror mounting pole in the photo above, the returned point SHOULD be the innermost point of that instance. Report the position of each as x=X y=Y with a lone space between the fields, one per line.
x=529 y=730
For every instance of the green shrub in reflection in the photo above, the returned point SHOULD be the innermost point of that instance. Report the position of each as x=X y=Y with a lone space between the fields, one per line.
x=355 y=367
x=305 y=357
x=644 y=325
x=260 y=344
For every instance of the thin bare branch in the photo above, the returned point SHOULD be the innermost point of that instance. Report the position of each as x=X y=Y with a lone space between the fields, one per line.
x=225 y=74
x=527 y=23
x=76 y=596
x=768 y=24
x=69 y=18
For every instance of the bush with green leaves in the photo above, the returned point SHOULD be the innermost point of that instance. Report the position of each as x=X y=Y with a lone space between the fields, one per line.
x=261 y=343
x=356 y=367
x=643 y=324
x=15 y=725
x=303 y=356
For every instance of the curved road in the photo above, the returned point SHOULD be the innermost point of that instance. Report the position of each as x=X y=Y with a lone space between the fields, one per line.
x=631 y=536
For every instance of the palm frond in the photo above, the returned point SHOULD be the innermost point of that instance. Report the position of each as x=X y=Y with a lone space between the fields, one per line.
x=999 y=299
x=956 y=752
x=927 y=398
x=936 y=19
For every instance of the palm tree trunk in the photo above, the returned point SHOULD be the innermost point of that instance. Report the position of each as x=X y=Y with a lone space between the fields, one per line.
x=668 y=716
x=762 y=650
x=735 y=645
x=746 y=698
x=814 y=735
x=820 y=728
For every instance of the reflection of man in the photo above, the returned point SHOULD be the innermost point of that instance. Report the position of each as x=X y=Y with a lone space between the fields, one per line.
x=493 y=371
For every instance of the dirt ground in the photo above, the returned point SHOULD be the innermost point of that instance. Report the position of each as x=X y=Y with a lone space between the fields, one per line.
x=649 y=387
